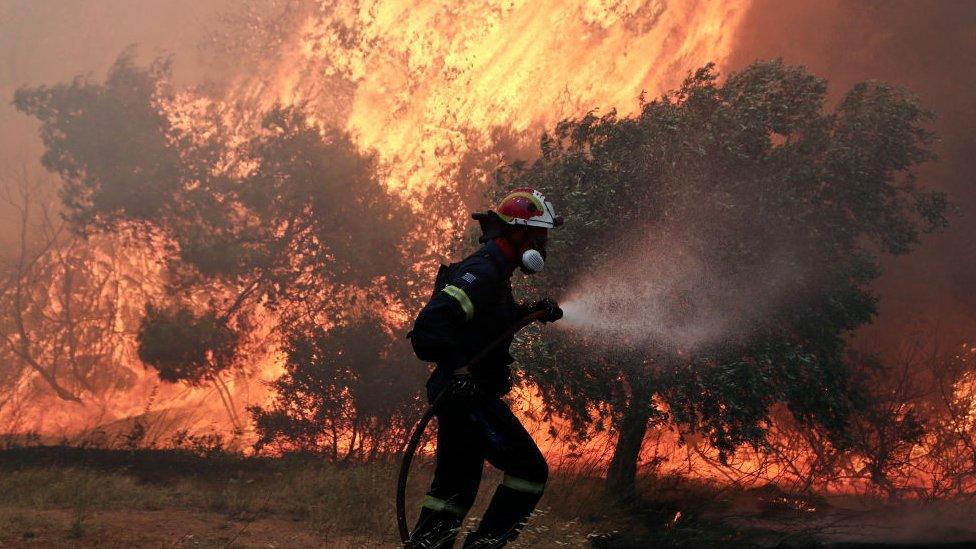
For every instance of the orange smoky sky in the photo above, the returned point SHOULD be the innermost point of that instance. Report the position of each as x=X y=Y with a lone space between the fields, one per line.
x=928 y=47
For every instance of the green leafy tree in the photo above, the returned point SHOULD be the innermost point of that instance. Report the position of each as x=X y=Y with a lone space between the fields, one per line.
x=769 y=194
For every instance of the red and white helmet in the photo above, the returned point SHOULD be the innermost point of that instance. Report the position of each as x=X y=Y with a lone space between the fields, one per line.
x=527 y=206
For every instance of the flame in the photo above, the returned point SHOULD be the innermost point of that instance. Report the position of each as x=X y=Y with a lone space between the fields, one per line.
x=424 y=83
x=133 y=275
x=429 y=78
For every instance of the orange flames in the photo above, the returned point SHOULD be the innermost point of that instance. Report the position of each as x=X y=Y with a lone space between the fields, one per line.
x=424 y=83
x=428 y=78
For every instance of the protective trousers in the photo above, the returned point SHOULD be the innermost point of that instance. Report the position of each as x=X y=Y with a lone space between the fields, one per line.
x=468 y=433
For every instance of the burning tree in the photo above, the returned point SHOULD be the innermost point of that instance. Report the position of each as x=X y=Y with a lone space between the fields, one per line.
x=783 y=208
x=62 y=301
x=281 y=221
x=376 y=375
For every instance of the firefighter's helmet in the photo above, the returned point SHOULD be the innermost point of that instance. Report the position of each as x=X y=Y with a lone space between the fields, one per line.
x=527 y=206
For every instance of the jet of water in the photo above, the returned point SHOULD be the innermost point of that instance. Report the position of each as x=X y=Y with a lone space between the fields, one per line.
x=669 y=297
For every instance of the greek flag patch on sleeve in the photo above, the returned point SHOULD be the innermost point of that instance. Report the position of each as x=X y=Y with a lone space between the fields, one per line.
x=468 y=277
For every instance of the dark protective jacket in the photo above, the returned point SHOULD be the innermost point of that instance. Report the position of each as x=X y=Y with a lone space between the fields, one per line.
x=473 y=308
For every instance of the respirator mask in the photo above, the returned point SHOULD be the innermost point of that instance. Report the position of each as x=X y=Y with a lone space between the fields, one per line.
x=534 y=258
x=532 y=261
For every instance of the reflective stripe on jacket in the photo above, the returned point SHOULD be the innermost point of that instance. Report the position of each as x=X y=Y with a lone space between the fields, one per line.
x=473 y=309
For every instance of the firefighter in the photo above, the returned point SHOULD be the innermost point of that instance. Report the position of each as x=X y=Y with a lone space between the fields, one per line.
x=471 y=306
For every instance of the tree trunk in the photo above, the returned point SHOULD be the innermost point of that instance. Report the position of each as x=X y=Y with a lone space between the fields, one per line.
x=622 y=471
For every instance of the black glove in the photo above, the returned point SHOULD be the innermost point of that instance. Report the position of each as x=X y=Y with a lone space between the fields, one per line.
x=552 y=310
x=463 y=387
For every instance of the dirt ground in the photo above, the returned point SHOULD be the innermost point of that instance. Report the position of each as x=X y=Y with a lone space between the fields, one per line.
x=67 y=497
x=912 y=525
x=169 y=528
x=774 y=519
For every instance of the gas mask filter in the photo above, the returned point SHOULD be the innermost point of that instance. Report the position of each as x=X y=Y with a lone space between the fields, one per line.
x=532 y=261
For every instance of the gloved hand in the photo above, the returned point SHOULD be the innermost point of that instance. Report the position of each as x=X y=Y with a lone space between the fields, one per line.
x=463 y=386
x=551 y=308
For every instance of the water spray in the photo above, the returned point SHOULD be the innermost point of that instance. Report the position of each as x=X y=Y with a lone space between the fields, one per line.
x=671 y=298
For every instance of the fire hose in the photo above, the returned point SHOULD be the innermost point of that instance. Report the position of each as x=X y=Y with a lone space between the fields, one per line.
x=418 y=432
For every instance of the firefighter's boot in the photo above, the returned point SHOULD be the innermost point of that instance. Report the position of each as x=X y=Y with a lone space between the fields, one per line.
x=507 y=513
x=438 y=525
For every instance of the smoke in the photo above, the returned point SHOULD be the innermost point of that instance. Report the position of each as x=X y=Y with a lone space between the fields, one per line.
x=927 y=46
